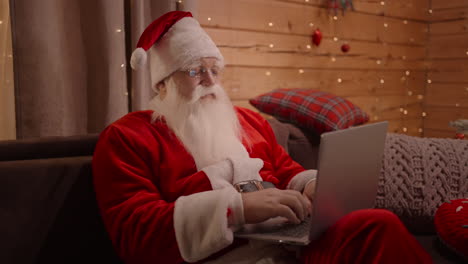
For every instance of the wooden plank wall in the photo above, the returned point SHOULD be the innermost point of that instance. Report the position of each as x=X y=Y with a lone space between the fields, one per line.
x=447 y=94
x=267 y=45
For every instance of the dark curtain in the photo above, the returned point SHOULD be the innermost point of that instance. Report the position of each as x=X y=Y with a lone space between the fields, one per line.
x=71 y=62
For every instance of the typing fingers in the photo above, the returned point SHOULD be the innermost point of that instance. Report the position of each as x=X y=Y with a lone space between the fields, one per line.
x=296 y=202
x=286 y=211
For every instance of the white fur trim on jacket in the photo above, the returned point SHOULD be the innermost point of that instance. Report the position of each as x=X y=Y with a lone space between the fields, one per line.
x=233 y=170
x=300 y=180
x=200 y=222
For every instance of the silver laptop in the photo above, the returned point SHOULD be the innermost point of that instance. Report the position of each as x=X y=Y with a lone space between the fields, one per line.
x=349 y=164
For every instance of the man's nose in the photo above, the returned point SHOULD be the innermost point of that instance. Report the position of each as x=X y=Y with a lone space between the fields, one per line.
x=208 y=79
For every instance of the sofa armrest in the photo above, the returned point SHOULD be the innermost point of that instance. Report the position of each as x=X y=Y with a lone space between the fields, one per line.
x=49 y=213
x=302 y=145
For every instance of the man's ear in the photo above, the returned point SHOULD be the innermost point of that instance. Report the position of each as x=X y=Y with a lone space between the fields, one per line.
x=161 y=89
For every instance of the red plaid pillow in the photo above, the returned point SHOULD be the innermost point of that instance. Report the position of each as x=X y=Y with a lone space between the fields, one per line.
x=316 y=110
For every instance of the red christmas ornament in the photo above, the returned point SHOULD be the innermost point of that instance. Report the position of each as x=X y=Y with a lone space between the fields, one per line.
x=460 y=136
x=345 y=48
x=317 y=37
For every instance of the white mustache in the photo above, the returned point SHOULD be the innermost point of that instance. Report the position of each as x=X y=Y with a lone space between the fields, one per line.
x=201 y=91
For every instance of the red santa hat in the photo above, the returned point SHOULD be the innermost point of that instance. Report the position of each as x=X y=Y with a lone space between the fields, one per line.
x=175 y=40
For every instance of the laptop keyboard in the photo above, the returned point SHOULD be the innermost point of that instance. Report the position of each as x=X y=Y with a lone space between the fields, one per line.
x=290 y=230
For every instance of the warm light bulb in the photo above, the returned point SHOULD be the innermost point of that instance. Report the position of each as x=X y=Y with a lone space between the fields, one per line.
x=403 y=57
x=430 y=11
x=423 y=114
x=382 y=3
x=270 y=24
x=126 y=93
x=118 y=30
x=1 y=22
x=401 y=109
x=420 y=130
x=333 y=59
x=410 y=93
x=311 y=24
x=382 y=81
x=122 y=65
x=209 y=19
x=457 y=105
x=407 y=73
x=271 y=45
x=376 y=118
x=308 y=46
x=405 y=22
x=404 y=129
x=429 y=81
x=301 y=71
x=335 y=18
x=335 y=38
x=267 y=73
x=385 y=25
x=378 y=62
x=405 y=112
x=339 y=80
x=420 y=96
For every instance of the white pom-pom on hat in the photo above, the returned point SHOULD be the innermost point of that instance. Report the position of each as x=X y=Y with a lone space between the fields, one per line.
x=138 y=59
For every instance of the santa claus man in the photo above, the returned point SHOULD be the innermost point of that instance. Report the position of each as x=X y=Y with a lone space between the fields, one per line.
x=169 y=181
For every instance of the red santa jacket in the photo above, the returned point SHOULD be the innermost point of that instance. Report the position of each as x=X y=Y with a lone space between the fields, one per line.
x=156 y=206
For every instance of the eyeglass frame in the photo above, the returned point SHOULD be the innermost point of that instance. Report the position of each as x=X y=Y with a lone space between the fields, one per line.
x=198 y=71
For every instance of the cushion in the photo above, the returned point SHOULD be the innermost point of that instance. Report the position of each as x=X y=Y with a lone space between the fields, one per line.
x=418 y=175
x=311 y=109
x=451 y=223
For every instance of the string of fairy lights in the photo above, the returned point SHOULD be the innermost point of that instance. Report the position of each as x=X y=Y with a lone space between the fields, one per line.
x=406 y=75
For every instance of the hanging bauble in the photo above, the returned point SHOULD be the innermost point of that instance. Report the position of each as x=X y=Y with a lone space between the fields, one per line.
x=317 y=37
x=345 y=47
x=460 y=136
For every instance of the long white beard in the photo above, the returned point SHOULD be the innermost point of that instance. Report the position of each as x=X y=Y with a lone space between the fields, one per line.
x=208 y=128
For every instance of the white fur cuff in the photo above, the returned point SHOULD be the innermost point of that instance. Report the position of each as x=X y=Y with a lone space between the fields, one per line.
x=220 y=174
x=301 y=179
x=246 y=169
x=201 y=224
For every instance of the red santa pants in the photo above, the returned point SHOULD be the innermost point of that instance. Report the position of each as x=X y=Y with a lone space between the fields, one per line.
x=366 y=236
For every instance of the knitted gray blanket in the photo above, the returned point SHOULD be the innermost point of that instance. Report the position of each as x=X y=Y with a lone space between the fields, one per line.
x=419 y=174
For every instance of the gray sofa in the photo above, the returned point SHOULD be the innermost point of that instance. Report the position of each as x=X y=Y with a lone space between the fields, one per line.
x=48 y=212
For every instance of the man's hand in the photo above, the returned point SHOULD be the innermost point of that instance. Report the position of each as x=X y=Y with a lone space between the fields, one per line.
x=265 y=204
x=309 y=190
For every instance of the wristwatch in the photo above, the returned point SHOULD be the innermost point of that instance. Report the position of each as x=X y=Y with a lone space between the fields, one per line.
x=253 y=185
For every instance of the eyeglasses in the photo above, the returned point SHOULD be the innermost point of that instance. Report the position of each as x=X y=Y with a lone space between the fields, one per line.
x=197 y=72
